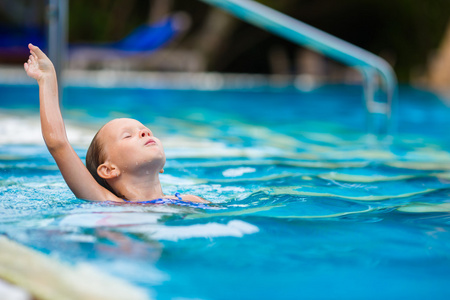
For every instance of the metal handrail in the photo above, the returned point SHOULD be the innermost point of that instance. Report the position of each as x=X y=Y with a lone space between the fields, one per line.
x=57 y=18
x=305 y=35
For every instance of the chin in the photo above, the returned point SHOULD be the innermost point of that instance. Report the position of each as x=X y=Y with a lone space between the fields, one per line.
x=158 y=161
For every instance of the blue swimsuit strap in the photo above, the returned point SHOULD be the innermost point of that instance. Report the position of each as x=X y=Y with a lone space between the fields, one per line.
x=179 y=202
x=159 y=200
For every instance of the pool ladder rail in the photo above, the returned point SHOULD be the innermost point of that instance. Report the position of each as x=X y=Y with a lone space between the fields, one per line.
x=379 y=80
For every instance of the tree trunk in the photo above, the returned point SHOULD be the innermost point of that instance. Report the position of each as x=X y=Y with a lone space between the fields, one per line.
x=439 y=69
x=214 y=35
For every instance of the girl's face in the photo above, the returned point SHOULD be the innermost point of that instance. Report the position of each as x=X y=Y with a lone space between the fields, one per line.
x=131 y=146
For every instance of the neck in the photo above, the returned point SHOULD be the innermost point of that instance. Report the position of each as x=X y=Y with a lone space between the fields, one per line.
x=138 y=188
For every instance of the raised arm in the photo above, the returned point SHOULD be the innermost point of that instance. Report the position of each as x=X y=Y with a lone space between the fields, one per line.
x=76 y=175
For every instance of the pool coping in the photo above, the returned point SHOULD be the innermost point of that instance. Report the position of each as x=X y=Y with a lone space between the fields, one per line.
x=15 y=75
x=200 y=81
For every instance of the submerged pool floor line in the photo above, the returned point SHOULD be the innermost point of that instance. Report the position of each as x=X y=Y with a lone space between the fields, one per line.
x=379 y=98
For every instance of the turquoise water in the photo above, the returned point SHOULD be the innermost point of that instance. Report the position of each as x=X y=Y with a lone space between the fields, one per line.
x=303 y=206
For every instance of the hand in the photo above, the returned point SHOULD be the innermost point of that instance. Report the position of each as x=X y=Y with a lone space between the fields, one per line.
x=38 y=65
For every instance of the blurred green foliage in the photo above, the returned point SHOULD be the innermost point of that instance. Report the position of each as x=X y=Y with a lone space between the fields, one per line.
x=405 y=32
x=105 y=20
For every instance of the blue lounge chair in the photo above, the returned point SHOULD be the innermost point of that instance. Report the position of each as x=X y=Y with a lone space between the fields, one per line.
x=142 y=41
x=147 y=37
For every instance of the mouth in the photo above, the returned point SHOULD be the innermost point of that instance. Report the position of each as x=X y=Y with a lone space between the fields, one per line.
x=150 y=142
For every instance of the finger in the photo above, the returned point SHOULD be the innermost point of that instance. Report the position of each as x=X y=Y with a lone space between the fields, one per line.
x=32 y=58
x=25 y=66
x=37 y=51
x=33 y=54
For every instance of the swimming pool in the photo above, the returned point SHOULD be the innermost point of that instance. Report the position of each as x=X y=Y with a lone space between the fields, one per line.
x=303 y=206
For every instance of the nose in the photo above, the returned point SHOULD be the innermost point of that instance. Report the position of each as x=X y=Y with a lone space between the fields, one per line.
x=144 y=132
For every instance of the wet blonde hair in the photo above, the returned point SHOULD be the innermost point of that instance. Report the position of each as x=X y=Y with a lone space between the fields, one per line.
x=96 y=156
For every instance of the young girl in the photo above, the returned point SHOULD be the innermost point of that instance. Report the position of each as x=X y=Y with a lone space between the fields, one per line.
x=123 y=161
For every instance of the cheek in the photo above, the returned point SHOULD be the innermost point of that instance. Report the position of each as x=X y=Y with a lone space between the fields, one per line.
x=122 y=153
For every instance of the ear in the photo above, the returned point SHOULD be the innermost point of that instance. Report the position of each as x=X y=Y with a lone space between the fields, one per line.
x=161 y=171
x=108 y=171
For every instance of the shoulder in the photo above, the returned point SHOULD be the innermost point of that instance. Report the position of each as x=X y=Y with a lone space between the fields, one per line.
x=193 y=198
